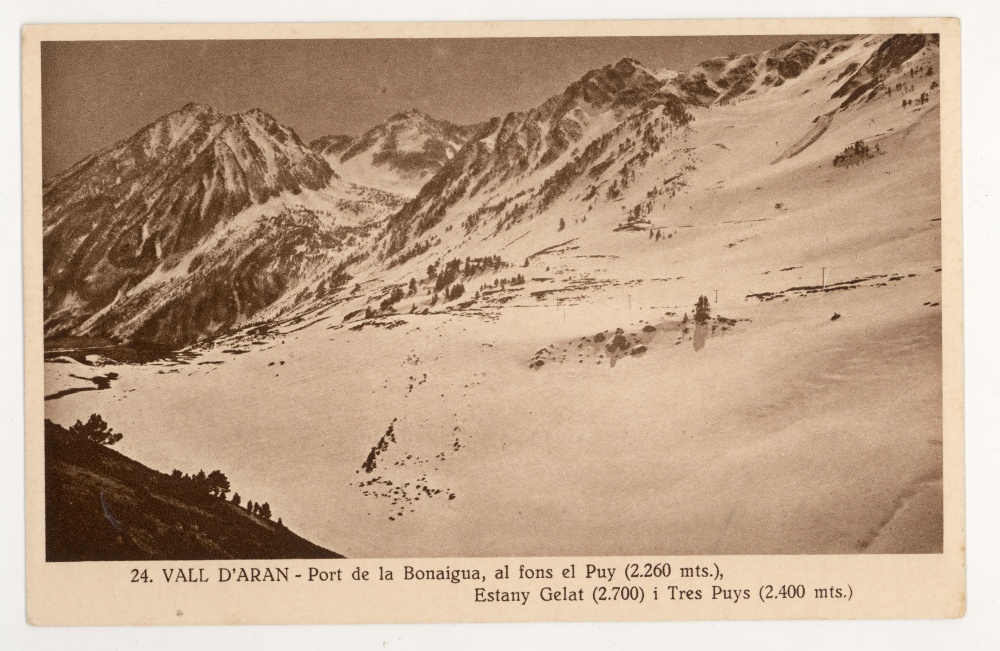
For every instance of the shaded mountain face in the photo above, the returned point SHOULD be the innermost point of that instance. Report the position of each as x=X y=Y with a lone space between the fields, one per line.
x=131 y=213
x=889 y=57
x=399 y=155
x=724 y=79
x=510 y=149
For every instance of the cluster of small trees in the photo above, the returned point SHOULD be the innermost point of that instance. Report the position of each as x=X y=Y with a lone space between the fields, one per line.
x=859 y=148
x=418 y=248
x=453 y=269
x=857 y=152
x=445 y=278
x=451 y=293
x=503 y=282
x=639 y=211
x=262 y=510
x=394 y=297
x=476 y=266
x=216 y=484
x=500 y=283
x=338 y=279
x=923 y=99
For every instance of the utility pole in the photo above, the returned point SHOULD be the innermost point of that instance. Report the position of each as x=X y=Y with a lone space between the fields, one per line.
x=824 y=279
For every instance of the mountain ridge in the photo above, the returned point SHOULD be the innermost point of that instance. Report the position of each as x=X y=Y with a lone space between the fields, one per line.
x=422 y=177
x=397 y=155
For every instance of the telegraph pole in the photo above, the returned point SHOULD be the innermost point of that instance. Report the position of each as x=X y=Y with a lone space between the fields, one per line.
x=824 y=279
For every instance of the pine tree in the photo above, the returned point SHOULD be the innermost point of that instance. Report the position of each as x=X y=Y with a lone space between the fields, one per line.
x=236 y=499
x=702 y=311
x=200 y=482
x=218 y=483
x=96 y=430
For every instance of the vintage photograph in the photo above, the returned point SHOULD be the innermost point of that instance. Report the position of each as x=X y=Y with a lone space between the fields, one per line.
x=492 y=297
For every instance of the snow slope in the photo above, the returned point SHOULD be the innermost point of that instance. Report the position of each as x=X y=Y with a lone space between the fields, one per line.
x=399 y=155
x=566 y=401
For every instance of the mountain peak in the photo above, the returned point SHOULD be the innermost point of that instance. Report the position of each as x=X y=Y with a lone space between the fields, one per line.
x=628 y=63
x=192 y=113
x=255 y=112
x=410 y=114
x=195 y=107
x=258 y=114
x=189 y=172
x=196 y=110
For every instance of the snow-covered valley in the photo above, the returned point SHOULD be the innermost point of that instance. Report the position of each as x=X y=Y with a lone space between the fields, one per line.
x=568 y=399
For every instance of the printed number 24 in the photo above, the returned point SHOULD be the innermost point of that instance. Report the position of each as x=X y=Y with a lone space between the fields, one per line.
x=138 y=576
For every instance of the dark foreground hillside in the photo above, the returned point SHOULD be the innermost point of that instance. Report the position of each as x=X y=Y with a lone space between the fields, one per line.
x=102 y=506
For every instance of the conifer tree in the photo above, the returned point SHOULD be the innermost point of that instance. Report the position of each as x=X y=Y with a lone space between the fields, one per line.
x=96 y=431
x=702 y=311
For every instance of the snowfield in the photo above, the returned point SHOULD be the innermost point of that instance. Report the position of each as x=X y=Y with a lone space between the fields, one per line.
x=567 y=402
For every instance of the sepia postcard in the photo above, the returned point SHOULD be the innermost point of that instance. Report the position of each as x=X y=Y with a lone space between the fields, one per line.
x=457 y=322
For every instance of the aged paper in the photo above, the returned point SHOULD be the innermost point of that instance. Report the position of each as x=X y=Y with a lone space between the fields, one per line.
x=493 y=322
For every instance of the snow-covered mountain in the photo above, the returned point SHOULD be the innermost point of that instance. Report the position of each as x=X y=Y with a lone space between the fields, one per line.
x=202 y=221
x=399 y=155
x=190 y=226
x=442 y=369
x=597 y=136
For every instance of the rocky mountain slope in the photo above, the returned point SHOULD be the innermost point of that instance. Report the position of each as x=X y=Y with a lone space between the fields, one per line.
x=603 y=130
x=203 y=222
x=192 y=226
x=399 y=155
